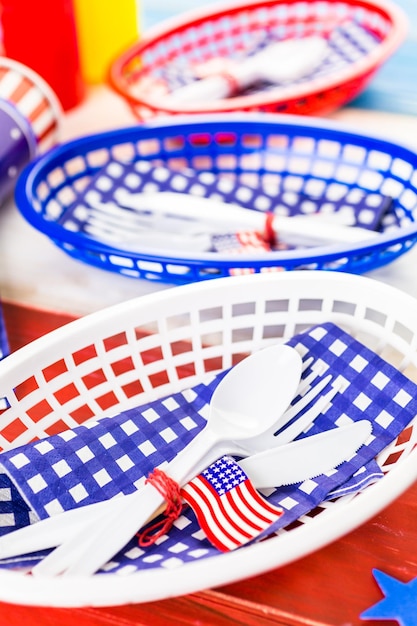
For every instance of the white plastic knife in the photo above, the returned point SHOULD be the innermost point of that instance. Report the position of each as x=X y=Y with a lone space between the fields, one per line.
x=306 y=458
x=283 y=465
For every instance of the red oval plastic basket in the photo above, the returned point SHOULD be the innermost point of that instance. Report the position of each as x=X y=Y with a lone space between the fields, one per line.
x=361 y=35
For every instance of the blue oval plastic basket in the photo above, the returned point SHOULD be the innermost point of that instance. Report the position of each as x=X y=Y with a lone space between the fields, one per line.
x=319 y=163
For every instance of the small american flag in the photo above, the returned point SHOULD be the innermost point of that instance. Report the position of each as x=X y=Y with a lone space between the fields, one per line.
x=228 y=508
x=243 y=242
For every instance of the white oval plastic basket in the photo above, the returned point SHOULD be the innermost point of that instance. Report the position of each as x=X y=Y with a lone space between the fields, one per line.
x=172 y=339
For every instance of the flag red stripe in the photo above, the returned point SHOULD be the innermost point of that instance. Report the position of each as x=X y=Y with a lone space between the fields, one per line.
x=257 y=507
x=235 y=517
x=204 y=511
x=265 y=504
x=238 y=502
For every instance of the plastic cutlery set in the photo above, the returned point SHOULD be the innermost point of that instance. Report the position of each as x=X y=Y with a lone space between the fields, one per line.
x=167 y=219
x=145 y=205
x=281 y=62
x=243 y=422
x=52 y=531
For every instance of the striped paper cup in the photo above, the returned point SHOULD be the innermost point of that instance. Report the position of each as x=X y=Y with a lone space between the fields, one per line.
x=30 y=116
x=33 y=99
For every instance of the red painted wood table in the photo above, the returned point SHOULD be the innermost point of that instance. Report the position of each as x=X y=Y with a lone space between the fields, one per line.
x=331 y=587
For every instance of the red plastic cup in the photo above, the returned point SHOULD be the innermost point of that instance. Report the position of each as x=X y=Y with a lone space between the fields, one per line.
x=42 y=35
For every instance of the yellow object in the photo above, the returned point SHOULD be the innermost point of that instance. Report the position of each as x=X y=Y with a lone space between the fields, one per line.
x=105 y=28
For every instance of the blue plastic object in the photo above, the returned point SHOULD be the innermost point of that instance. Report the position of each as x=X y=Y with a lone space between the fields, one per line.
x=4 y=343
x=297 y=155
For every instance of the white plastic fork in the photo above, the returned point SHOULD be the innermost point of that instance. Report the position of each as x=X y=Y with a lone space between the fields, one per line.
x=66 y=557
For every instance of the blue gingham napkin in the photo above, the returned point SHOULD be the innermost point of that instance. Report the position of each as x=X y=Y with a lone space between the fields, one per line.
x=117 y=180
x=101 y=459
